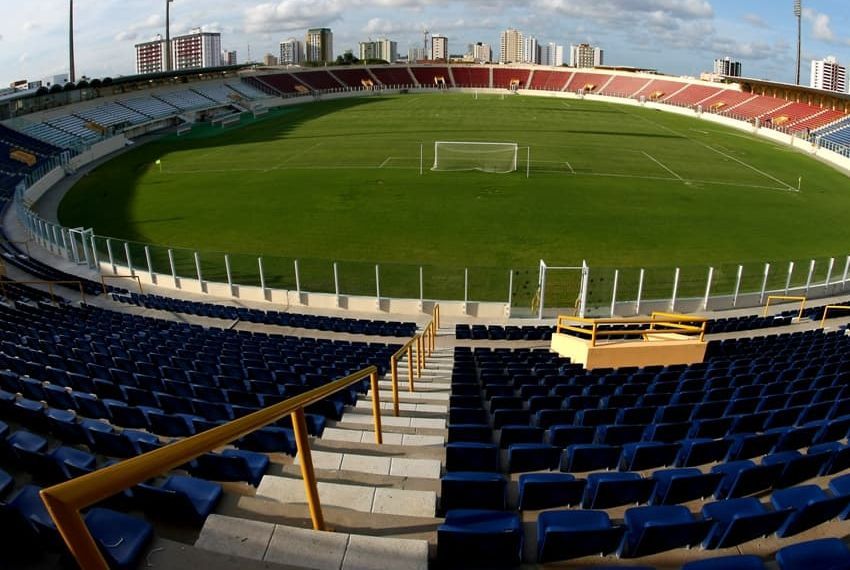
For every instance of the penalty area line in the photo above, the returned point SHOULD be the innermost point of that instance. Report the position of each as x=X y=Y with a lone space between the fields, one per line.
x=383 y=164
x=662 y=165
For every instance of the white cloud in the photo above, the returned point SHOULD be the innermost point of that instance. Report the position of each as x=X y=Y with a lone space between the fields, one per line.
x=756 y=21
x=292 y=15
x=821 y=25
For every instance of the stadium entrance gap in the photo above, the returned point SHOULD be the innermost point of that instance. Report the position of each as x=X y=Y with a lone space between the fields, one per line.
x=555 y=283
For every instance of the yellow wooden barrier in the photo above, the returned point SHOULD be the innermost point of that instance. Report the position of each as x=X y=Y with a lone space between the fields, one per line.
x=103 y=279
x=829 y=308
x=49 y=284
x=770 y=298
x=64 y=501
x=657 y=323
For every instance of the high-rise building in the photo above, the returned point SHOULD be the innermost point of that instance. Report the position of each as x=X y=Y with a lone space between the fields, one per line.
x=415 y=54
x=728 y=67
x=510 y=46
x=552 y=54
x=439 y=48
x=291 y=52
x=319 y=46
x=150 y=56
x=530 y=50
x=196 y=50
x=386 y=50
x=228 y=57
x=270 y=60
x=829 y=75
x=481 y=52
x=586 y=55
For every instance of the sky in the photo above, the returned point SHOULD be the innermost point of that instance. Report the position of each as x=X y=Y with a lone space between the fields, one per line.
x=680 y=37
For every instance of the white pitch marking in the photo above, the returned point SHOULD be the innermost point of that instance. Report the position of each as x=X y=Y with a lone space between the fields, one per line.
x=659 y=163
x=753 y=168
x=383 y=164
x=570 y=166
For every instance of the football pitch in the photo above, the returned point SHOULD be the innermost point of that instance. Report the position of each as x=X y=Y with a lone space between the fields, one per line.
x=350 y=181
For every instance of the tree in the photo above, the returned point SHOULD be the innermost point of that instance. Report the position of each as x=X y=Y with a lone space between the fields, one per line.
x=347 y=59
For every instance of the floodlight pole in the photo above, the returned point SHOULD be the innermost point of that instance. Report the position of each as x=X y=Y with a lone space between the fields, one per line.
x=798 y=12
x=168 y=35
x=72 y=75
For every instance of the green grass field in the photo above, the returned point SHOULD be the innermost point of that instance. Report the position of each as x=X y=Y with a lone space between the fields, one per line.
x=621 y=187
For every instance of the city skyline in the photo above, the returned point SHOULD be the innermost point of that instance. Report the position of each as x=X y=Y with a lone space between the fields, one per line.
x=680 y=37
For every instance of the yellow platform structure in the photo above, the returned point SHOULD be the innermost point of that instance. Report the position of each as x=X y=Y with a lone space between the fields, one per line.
x=660 y=339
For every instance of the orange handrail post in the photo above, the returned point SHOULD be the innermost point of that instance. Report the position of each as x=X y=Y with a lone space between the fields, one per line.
x=65 y=500
x=394 y=382
x=376 y=407
x=311 y=489
x=410 y=386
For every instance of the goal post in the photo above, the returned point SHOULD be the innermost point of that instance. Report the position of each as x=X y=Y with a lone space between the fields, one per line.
x=455 y=156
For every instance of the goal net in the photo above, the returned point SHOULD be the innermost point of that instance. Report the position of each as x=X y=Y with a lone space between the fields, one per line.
x=484 y=156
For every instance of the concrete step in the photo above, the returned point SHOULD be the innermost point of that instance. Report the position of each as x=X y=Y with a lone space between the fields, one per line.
x=406 y=409
x=390 y=438
x=356 y=420
x=302 y=548
x=375 y=464
x=361 y=498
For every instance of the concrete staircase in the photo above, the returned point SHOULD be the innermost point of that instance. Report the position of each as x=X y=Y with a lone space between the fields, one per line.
x=380 y=501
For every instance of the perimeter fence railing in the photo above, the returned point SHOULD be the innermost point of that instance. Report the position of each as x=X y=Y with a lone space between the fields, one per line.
x=602 y=291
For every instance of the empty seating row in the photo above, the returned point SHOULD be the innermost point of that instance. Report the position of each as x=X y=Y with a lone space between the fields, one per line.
x=335 y=324
x=477 y=537
x=481 y=486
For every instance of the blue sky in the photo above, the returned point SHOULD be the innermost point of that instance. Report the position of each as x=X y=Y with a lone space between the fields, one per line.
x=675 y=36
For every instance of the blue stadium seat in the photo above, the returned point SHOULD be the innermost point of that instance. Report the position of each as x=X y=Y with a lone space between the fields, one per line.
x=797 y=467
x=749 y=445
x=509 y=435
x=471 y=456
x=473 y=490
x=823 y=553
x=469 y=432
x=549 y=490
x=606 y=490
x=269 y=440
x=563 y=535
x=523 y=457
x=231 y=465
x=648 y=455
x=675 y=486
x=581 y=458
x=701 y=451
x=480 y=538
x=740 y=520
x=122 y=539
x=742 y=478
x=567 y=435
x=657 y=529
x=184 y=499
x=812 y=507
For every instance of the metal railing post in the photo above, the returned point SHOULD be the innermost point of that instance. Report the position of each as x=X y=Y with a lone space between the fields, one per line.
x=421 y=288
x=173 y=267
x=262 y=275
x=707 y=288
x=614 y=291
x=639 y=291
x=228 y=271
x=510 y=293
x=810 y=275
x=737 y=286
x=149 y=262
x=830 y=266
x=297 y=280
x=336 y=283
x=197 y=257
x=465 y=289
x=788 y=280
x=129 y=259
x=764 y=282
x=111 y=256
x=675 y=290
x=377 y=286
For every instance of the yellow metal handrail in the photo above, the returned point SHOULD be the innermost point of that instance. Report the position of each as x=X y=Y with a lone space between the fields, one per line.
x=657 y=323
x=785 y=298
x=64 y=501
x=832 y=308
x=103 y=279
x=49 y=284
x=424 y=341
